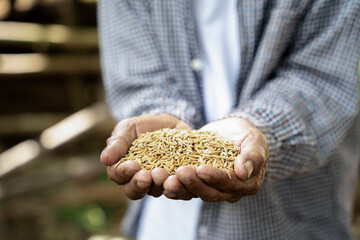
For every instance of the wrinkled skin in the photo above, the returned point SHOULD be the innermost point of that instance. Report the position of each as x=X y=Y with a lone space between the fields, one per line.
x=206 y=182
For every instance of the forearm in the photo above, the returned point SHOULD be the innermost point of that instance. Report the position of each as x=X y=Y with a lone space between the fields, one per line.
x=307 y=108
x=136 y=78
x=156 y=99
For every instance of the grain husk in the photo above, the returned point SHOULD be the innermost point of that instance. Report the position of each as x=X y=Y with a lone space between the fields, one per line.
x=172 y=148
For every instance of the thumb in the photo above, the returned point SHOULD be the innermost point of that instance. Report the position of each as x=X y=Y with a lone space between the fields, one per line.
x=252 y=158
x=183 y=125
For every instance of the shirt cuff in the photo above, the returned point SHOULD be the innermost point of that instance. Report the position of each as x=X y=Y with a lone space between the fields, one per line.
x=292 y=146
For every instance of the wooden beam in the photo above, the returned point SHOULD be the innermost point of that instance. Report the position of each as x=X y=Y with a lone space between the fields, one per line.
x=53 y=34
x=42 y=63
x=26 y=123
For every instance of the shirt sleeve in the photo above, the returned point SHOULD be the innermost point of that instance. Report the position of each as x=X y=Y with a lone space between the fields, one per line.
x=309 y=104
x=135 y=77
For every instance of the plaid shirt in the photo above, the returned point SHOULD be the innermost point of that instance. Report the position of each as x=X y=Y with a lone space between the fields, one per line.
x=298 y=84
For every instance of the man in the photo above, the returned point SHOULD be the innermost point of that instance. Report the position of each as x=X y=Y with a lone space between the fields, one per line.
x=278 y=78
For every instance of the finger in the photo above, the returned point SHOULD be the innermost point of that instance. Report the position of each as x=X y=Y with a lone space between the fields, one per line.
x=234 y=188
x=194 y=184
x=110 y=140
x=221 y=179
x=148 y=123
x=234 y=198
x=248 y=164
x=115 y=151
x=126 y=131
x=182 y=125
x=159 y=175
x=124 y=172
x=152 y=122
x=126 y=128
x=254 y=154
x=174 y=189
x=253 y=185
x=139 y=185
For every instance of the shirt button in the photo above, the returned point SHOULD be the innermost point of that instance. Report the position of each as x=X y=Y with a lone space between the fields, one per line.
x=203 y=231
x=196 y=64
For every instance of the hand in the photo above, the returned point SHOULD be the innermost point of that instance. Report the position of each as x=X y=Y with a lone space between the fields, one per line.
x=136 y=182
x=213 y=184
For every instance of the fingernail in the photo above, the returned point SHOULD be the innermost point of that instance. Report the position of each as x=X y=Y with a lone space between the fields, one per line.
x=129 y=172
x=204 y=177
x=186 y=180
x=174 y=190
x=249 y=166
x=141 y=184
x=111 y=140
x=169 y=194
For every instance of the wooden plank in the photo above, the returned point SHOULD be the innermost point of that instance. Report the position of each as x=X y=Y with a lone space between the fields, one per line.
x=42 y=63
x=26 y=123
x=53 y=34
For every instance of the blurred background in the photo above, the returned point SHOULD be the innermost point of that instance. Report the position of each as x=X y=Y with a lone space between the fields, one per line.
x=54 y=123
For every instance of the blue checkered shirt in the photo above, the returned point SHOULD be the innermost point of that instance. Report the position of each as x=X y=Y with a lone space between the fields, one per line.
x=298 y=85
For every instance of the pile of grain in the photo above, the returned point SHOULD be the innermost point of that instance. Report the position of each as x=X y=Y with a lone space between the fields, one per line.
x=172 y=148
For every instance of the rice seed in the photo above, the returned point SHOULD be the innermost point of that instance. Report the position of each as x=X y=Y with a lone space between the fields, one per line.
x=172 y=148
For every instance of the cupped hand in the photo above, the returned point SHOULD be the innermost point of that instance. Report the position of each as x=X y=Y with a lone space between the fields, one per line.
x=137 y=183
x=213 y=184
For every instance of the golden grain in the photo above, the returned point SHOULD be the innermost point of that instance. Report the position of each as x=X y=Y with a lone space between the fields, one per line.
x=172 y=148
